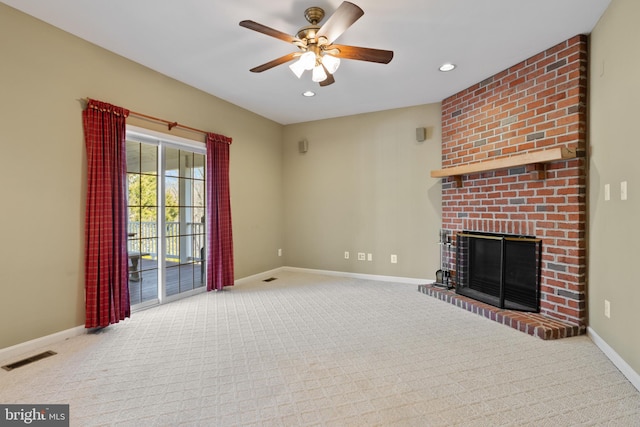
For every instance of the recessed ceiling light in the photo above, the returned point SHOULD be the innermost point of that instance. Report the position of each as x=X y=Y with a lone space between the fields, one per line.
x=308 y=93
x=447 y=67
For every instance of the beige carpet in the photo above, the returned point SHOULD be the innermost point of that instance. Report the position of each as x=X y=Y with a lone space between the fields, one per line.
x=312 y=350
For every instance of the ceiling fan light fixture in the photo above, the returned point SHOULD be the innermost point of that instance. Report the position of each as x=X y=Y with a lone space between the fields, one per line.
x=306 y=62
x=297 y=68
x=318 y=74
x=308 y=59
x=316 y=51
x=331 y=63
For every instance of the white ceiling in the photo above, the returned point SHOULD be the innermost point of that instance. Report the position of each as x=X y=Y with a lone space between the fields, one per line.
x=200 y=43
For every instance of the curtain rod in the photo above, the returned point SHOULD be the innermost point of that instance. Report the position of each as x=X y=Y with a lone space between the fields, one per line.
x=170 y=125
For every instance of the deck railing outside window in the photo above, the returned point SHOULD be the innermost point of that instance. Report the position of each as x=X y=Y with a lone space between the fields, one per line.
x=145 y=241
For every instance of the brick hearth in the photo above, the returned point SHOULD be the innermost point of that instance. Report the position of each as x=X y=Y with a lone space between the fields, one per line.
x=531 y=323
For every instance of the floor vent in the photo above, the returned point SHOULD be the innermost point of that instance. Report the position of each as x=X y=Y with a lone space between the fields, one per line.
x=270 y=279
x=28 y=360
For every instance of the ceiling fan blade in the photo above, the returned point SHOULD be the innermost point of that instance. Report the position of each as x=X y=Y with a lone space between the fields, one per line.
x=252 y=25
x=329 y=80
x=360 y=53
x=344 y=16
x=275 y=62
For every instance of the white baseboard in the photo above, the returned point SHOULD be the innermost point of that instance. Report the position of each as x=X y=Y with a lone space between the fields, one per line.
x=615 y=358
x=8 y=353
x=259 y=276
x=275 y=271
x=408 y=280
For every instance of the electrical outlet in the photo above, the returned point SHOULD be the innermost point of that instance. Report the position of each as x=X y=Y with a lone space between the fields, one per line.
x=360 y=256
x=346 y=254
x=369 y=257
x=394 y=259
x=623 y=190
x=607 y=309
x=607 y=192
x=279 y=252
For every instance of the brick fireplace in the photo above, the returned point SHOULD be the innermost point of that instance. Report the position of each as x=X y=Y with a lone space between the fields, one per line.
x=536 y=105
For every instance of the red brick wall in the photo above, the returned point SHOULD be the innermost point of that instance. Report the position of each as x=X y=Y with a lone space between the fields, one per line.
x=536 y=104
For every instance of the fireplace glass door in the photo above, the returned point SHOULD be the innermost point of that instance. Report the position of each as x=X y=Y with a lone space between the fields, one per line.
x=500 y=270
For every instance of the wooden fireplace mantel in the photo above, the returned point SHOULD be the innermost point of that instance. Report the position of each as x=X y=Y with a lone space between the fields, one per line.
x=538 y=158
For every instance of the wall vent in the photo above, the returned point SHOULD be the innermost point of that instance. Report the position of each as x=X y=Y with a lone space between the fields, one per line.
x=28 y=360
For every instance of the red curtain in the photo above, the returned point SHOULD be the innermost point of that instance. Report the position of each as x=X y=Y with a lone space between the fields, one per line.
x=106 y=262
x=220 y=241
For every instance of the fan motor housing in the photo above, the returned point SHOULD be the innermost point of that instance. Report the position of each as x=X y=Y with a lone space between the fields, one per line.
x=308 y=33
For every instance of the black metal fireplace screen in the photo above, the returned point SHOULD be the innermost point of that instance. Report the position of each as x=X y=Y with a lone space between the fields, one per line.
x=499 y=269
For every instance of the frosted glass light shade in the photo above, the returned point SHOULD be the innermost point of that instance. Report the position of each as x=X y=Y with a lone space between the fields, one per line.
x=318 y=74
x=306 y=62
x=308 y=59
x=297 y=68
x=331 y=63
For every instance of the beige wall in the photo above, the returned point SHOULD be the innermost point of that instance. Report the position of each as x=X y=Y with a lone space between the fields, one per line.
x=43 y=73
x=364 y=186
x=614 y=234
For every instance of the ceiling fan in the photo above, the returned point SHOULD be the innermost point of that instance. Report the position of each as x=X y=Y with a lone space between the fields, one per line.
x=315 y=43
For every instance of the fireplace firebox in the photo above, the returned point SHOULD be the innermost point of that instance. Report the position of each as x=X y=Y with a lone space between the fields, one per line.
x=499 y=269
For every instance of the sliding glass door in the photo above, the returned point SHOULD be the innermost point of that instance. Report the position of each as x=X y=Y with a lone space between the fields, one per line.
x=184 y=196
x=166 y=212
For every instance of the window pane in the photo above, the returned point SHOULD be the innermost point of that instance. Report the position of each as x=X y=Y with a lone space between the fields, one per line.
x=198 y=217
x=172 y=280
x=149 y=230
x=172 y=191
x=186 y=164
x=186 y=277
x=148 y=263
x=133 y=157
x=181 y=192
x=148 y=248
x=149 y=215
x=149 y=159
x=198 y=193
x=172 y=249
x=133 y=243
x=133 y=182
x=171 y=162
x=198 y=166
x=197 y=221
x=172 y=227
x=148 y=190
x=185 y=217
x=189 y=253
x=198 y=247
x=133 y=229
